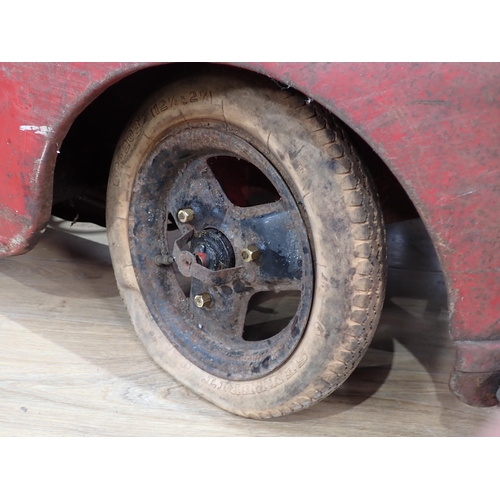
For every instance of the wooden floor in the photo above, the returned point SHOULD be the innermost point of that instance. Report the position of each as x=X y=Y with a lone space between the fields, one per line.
x=71 y=365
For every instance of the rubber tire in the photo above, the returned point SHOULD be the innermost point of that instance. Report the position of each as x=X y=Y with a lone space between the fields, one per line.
x=339 y=206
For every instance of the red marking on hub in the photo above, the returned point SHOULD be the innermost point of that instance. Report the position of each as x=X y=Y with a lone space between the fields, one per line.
x=202 y=259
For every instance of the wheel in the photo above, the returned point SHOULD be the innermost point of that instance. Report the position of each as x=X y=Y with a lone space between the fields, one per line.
x=246 y=241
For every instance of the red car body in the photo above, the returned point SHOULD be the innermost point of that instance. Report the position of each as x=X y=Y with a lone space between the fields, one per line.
x=435 y=126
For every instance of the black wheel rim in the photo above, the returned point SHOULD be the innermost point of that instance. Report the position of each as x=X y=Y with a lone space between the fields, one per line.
x=202 y=302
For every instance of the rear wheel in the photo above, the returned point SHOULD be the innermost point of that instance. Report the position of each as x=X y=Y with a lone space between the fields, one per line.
x=247 y=243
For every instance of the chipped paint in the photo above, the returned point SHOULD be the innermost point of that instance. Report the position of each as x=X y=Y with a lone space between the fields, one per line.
x=42 y=130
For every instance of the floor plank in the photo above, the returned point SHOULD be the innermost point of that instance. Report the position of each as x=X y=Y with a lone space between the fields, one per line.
x=71 y=365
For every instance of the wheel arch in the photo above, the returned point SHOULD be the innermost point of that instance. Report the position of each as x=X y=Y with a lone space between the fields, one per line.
x=82 y=167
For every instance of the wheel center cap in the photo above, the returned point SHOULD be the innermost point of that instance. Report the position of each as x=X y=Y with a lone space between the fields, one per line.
x=212 y=250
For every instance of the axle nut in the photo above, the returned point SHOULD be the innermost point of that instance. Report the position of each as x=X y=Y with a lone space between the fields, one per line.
x=203 y=300
x=185 y=215
x=251 y=253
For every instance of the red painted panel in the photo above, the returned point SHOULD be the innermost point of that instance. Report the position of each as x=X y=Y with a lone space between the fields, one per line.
x=38 y=103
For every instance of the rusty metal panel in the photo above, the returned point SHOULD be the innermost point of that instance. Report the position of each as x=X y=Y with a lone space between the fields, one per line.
x=435 y=125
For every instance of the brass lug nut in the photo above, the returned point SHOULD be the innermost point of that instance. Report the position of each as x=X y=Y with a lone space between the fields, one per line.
x=185 y=215
x=203 y=300
x=250 y=254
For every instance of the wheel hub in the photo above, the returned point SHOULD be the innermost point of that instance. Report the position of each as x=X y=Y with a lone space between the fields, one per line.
x=212 y=250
